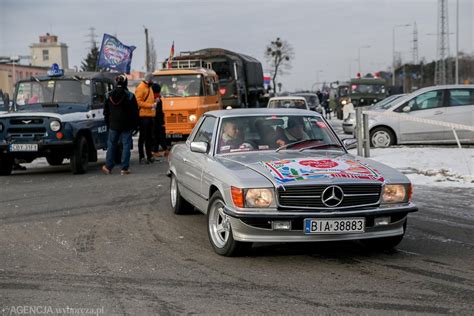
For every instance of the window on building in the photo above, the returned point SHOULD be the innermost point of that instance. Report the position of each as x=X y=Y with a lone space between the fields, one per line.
x=45 y=54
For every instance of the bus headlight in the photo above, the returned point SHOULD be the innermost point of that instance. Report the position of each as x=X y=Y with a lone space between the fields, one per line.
x=55 y=126
x=192 y=118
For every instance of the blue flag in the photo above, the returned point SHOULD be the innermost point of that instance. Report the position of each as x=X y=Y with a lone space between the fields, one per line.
x=114 y=55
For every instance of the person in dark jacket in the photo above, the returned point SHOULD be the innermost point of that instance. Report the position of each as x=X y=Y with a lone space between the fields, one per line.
x=159 y=133
x=121 y=118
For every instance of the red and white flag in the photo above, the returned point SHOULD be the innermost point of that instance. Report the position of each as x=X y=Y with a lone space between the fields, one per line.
x=170 y=59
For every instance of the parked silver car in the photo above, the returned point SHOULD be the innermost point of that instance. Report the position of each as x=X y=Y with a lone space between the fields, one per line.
x=452 y=104
x=282 y=175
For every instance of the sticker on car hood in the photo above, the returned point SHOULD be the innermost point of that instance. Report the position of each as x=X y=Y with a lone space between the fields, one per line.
x=284 y=171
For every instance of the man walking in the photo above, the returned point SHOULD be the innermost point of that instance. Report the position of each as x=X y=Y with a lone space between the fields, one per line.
x=121 y=118
x=146 y=106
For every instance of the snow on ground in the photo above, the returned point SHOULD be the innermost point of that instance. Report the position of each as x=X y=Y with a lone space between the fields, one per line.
x=438 y=166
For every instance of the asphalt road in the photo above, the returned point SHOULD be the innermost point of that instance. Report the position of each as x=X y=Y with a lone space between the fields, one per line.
x=112 y=243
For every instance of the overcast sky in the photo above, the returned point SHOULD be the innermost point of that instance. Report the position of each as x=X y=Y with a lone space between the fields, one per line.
x=326 y=34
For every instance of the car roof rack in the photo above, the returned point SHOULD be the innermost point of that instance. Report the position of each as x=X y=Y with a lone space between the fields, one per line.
x=187 y=64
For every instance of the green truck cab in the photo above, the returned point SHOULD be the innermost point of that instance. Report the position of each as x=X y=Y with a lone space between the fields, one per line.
x=367 y=91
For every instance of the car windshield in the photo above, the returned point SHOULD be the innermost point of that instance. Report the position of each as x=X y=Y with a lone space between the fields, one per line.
x=387 y=102
x=271 y=132
x=223 y=70
x=53 y=91
x=368 y=88
x=343 y=91
x=288 y=104
x=310 y=98
x=180 y=85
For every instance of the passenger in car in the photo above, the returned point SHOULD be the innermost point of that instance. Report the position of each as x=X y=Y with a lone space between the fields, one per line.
x=232 y=137
x=268 y=135
x=293 y=133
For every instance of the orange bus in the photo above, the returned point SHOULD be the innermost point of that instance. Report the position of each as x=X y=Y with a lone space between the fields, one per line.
x=188 y=89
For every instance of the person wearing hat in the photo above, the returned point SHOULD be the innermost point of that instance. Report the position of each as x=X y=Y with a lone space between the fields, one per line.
x=159 y=124
x=121 y=118
x=146 y=106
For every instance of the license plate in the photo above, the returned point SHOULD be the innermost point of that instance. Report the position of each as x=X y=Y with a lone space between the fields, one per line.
x=334 y=225
x=174 y=136
x=23 y=147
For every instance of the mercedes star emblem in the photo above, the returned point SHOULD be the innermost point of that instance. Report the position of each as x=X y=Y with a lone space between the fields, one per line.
x=332 y=196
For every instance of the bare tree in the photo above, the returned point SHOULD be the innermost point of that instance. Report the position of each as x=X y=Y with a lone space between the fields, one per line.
x=279 y=55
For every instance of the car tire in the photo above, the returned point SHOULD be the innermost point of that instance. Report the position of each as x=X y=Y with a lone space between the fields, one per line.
x=381 y=137
x=6 y=166
x=220 y=231
x=178 y=203
x=80 y=156
x=55 y=160
x=384 y=243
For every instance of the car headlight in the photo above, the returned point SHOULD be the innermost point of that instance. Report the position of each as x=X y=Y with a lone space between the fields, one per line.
x=396 y=193
x=192 y=118
x=55 y=126
x=344 y=102
x=258 y=197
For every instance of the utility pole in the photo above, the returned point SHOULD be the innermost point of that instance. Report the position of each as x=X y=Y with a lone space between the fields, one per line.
x=92 y=37
x=442 y=70
x=456 y=79
x=147 y=51
x=415 y=44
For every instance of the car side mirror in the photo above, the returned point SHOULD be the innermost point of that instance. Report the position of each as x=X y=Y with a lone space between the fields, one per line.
x=350 y=143
x=199 y=147
x=406 y=109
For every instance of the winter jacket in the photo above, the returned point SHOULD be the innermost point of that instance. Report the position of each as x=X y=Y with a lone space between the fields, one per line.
x=160 y=116
x=121 y=110
x=145 y=99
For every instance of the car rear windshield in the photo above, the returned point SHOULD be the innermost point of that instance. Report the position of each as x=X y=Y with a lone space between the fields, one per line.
x=53 y=91
x=180 y=85
x=269 y=132
x=288 y=104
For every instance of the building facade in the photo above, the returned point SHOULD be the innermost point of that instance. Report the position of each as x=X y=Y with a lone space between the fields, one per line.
x=11 y=73
x=49 y=51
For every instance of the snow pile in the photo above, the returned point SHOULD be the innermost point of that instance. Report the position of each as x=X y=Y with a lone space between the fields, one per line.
x=438 y=166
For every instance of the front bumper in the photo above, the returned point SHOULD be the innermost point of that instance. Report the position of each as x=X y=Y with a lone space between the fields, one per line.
x=256 y=226
x=43 y=148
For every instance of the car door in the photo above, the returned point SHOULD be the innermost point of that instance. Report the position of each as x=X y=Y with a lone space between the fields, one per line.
x=460 y=110
x=194 y=163
x=429 y=105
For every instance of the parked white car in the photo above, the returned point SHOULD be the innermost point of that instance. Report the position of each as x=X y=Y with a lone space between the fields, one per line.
x=451 y=103
x=290 y=102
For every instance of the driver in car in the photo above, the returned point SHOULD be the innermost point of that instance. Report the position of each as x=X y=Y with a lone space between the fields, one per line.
x=232 y=137
x=293 y=133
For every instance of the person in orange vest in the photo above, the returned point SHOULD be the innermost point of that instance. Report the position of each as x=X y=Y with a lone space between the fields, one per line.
x=147 y=107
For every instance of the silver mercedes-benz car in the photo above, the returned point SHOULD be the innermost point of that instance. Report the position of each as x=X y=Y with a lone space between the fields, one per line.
x=282 y=175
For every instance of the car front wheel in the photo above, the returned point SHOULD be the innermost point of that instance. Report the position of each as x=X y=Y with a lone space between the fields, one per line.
x=381 y=137
x=80 y=156
x=220 y=230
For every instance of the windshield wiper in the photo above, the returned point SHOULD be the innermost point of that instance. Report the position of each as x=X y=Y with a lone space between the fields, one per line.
x=296 y=143
x=321 y=145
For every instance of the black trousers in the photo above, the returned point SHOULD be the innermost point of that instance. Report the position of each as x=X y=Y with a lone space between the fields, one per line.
x=159 y=137
x=146 y=137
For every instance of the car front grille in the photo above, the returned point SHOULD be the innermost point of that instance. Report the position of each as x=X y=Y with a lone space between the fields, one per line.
x=28 y=127
x=309 y=196
x=178 y=117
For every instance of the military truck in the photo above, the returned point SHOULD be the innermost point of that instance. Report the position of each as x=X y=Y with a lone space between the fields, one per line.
x=58 y=116
x=367 y=91
x=240 y=76
x=342 y=98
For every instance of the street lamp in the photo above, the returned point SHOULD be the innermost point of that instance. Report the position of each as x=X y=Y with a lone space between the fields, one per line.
x=456 y=80
x=393 y=49
x=360 y=47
